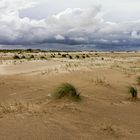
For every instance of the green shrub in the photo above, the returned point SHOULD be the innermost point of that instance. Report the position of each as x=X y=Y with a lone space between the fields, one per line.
x=133 y=92
x=77 y=56
x=83 y=57
x=64 y=55
x=23 y=57
x=70 y=57
x=42 y=57
x=66 y=90
x=16 y=57
x=52 y=56
x=32 y=56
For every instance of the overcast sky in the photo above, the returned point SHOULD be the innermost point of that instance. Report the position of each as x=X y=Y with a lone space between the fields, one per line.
x=25 y=22
x=114 y=10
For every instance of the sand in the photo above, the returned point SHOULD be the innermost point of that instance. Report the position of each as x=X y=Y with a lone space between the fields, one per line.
x=27 y=111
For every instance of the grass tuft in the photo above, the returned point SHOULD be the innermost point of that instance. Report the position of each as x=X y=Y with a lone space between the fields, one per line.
x=66 y=90
x=70 y=57
x=133 y=92
x=64 y=55
x=42 y=57
x=23 y=57
x=16 y=57
x=32 y=56
x=77 y=56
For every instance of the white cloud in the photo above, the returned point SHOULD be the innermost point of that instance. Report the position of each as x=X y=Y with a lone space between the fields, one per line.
x=79 y=39
x=73 y=24
x=11 y=7
x=115 y=41
x=135 y=35
x=59 y=37
x=75 y=19
x=104 y=40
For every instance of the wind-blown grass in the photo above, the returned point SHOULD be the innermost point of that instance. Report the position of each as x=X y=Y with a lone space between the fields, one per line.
x=133 y=92
x=66 y=90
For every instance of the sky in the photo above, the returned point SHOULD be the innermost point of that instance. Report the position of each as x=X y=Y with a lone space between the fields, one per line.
x=114 y=10
x=29 y=22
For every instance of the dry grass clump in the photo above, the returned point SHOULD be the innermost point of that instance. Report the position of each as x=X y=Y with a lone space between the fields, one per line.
x=66 y=90
x=18 y=107
x=101 y=81
x=11 y=108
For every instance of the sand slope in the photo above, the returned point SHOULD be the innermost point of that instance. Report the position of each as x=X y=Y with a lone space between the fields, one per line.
x=104 y=113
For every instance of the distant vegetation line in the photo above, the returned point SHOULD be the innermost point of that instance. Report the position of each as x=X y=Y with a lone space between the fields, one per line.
x=34 y=50
x=43 y=50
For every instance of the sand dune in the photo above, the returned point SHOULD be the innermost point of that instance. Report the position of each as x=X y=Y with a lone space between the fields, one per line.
x=104 y=113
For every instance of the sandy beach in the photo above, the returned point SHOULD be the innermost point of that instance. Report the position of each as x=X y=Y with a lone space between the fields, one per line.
x=27 y=111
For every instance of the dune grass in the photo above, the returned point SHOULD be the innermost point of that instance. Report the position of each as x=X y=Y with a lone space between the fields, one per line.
x=32 y=56
x=23 y=57
x=133 y=92
x=42 y=57
x=66 y=90
x=16 y=57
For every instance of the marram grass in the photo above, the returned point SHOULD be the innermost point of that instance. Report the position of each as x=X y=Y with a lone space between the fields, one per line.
x=66 y=90
x=133 y=92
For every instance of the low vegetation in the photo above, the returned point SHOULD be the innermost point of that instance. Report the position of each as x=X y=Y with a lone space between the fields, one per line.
x=83 y=57
x=133 y=92
x=18 y=107
x=70 y=57
x=32 y=56
x=23 y=57
x=42 y=57
x=64 y=55
x=66 y=90
x=77 y=56
x=52 y=56
x=16 y=57
x=101 y=81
